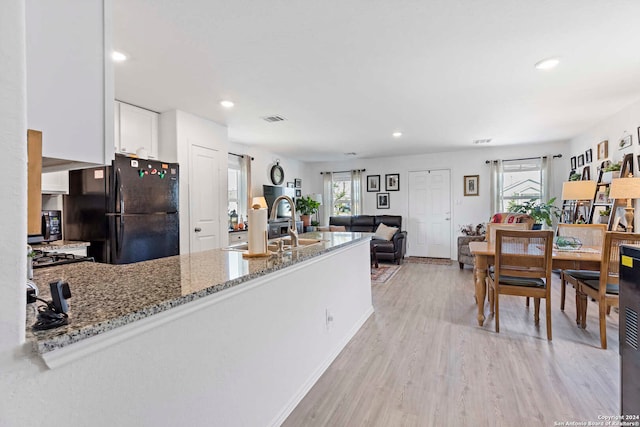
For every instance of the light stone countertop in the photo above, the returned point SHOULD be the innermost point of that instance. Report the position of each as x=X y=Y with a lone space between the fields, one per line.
x=59 y=245
x=104 y=296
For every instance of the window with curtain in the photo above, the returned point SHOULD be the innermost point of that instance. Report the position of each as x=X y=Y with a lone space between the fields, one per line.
x=516 y=181
x=343 y=192
x=236 y=186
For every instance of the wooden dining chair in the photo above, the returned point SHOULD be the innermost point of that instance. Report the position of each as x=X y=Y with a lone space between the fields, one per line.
x=493 y=227
x=589 y=235
x=522 y=268
x=605 y=289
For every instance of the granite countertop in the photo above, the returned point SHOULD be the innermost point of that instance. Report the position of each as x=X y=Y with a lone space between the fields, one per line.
x=104 y=296
x=60 y=245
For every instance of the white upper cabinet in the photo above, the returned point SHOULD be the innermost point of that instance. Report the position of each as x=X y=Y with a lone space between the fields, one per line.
x=70 y=80
x=55 y=182
x=135 y=128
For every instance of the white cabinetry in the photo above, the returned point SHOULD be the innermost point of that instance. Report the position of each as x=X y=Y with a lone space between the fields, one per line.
x=236 y=237
x=55 y=182
x=70 y=80
x=135 y=128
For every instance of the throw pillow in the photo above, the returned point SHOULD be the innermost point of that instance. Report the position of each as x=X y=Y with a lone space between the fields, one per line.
x=385 y=233
x=337 y=228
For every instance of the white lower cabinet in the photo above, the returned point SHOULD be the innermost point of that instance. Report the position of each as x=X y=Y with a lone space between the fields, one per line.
x=238 y=237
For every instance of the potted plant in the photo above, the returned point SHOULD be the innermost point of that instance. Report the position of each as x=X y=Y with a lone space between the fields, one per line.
x=306 y=207
x=604 y=215
x=610 y=172
x=542 y=212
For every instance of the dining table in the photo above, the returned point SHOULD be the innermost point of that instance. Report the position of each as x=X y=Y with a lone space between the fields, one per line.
x=584 y=258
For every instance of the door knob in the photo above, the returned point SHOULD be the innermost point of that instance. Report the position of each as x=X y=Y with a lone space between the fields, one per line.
x=197 y=229
x=447 y=219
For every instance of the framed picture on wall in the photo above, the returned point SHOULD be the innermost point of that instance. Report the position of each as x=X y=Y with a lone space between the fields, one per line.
x=573 y=163
x=581 y=160
x=298 y=192
x=290 y=185
x=382 y=201
x=298 y=183
x=471 y=184
x=603 y=150
x=373 y=183
x=392 y=182
x=588 y=155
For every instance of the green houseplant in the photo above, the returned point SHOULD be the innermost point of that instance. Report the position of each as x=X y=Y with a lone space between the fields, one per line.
x=306 y=207
x=540 y=211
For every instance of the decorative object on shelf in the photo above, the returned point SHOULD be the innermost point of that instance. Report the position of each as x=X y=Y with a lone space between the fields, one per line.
x=540 y=211
x=581 y=160
x=298 y=183
x=578 y=191
x=472 y=185
x=588 y=155
x=373 y=183
x=392 y=182
x=573 y=163
x=382 y=201
x=626 y=188
x=574 y=176
x=610 y=172
x=625 y=142
x=473 y=230
x=306 y=206
x=277 y=173
x=567 y=243
x=290 y=185
x=604 y=215
x=603 y=150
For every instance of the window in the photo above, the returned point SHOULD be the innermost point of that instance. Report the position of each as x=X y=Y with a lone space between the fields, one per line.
x=343 y=191
x=236 y=188
x=341 y=187
x=516 y=181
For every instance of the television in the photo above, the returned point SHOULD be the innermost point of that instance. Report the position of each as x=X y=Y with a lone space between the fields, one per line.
x=272 y=192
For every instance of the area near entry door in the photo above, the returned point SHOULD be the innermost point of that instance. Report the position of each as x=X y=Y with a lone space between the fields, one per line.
x=430 y=214
x=204 y=216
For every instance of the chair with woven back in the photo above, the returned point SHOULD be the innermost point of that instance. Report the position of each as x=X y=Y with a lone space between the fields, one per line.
x=589 y=235
x=522 y=268
x=605 y=289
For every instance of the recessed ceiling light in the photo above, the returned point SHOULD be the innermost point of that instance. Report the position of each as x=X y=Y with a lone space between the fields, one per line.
x=227 y=104
x=350 y=154
x=547 y=64
x=397 y=134
x=482 y=141
x=118 y=56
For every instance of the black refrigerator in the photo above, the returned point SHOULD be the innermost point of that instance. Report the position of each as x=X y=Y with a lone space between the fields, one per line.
x=127 y=211
x=628 y=331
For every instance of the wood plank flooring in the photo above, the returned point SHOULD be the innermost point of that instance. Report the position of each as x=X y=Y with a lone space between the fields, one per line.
x=422 y=360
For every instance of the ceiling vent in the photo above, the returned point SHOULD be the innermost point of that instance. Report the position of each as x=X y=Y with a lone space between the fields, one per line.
x=273 y=119
x=482 y=141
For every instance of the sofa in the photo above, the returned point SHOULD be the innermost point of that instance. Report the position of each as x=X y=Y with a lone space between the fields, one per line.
x=390 y=250
x=464 y=254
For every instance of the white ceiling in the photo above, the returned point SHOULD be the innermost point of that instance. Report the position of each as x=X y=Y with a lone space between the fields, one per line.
x=347 y=73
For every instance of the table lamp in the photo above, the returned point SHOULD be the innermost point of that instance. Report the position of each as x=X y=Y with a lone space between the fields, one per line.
x=260 y=201
x=578 y=190
x=626 y=188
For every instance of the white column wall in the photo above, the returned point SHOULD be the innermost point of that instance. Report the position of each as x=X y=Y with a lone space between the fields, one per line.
x=13 y=188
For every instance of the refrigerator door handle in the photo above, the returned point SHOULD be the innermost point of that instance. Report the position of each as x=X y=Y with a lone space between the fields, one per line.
x=119 y=231
x=118 y=186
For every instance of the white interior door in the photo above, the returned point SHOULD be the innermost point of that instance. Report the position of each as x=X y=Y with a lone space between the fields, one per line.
x=430 y=214
x=204 y=216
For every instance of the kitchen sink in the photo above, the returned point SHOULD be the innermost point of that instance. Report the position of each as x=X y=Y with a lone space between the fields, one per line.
x=272 y=245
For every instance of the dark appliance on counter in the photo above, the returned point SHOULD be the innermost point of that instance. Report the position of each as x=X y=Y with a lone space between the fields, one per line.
x=43 y=259
x=50 y=229
x=128 y=211
x=628 y=330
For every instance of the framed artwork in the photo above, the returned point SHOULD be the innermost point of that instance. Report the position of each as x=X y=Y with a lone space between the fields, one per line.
x=573 y=163
x=471 y=184
x=382 y=201
x=373 y=183
x=603 y=150
x=298 y=192
x=392 y=182
x=581 y=160
x=290 y=185
x=625 y=142
x=588 y=155
x=298 y=183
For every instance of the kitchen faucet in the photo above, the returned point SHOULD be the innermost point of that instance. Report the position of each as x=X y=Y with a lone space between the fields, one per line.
x=293 y=231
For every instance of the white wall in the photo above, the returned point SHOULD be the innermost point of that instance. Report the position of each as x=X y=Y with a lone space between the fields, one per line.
x=612 y=129
x=261 y=168
x=178 y=132
x=466 y=210
x=13 y=189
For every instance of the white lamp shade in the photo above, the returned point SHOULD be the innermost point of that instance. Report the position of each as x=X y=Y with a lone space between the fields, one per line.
x=260 y=202
x=578 y=190
x=625 y=188
x=316 y=197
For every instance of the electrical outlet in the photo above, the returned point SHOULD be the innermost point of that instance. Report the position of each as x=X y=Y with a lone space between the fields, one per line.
x=59 y=293
x=328 y=318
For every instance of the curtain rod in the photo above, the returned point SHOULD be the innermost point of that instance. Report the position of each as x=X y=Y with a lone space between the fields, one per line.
x=358 y=170
x=240 y=155
x=555 y=156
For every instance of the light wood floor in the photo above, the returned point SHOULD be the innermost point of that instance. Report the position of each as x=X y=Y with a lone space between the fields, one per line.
x=422 y=360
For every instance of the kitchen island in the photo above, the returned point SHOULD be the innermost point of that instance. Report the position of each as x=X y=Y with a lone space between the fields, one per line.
x=227 y=339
